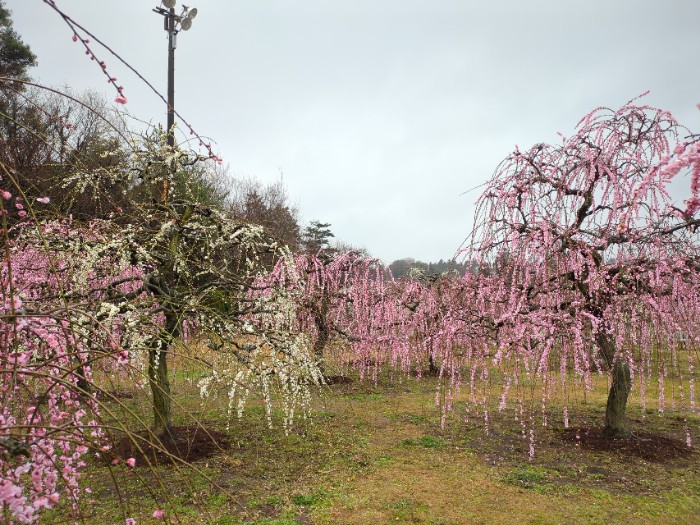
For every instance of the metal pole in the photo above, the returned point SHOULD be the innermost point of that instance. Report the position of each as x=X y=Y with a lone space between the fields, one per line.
x=171 y=95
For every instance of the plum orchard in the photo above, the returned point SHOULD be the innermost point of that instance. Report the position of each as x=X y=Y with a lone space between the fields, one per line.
x=579 y=263
x=358 y=317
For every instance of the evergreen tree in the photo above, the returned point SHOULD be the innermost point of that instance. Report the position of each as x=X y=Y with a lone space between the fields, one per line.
x=15 y=56
x=316 y=237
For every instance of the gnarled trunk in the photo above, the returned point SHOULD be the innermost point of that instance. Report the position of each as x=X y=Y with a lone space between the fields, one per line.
x=433 y=369
x=617 y=399
x=159 y=380
x=84 y=386
x=619 y=389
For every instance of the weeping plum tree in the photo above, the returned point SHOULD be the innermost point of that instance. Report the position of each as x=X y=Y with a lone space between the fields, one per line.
x=588 y=245
x=180 y=265
x=339 y=297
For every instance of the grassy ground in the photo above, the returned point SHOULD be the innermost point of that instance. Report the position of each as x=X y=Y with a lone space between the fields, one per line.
x=376 y=454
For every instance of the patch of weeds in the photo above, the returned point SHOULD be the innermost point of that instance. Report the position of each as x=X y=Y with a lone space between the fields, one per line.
x=384 y=460
x=416 y=419
x=217 y=498
x=391 y=416
x=570 y=490
x=272 y=500
x=400 y=504
x=567 y=471
x=601 y=494
x=529 y=477
x=185 y=506
x=424 y=441
x=228 y=520
x=359 y=462
x=310 y=500
x=360 y=425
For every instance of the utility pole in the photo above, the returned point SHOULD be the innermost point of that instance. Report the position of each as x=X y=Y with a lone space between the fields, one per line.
x=172 y=23
x=172 y=44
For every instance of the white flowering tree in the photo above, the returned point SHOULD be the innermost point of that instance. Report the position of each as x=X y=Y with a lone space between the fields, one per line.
x=178 y=266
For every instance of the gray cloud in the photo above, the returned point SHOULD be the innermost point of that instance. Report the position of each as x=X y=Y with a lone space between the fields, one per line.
x=380 y=114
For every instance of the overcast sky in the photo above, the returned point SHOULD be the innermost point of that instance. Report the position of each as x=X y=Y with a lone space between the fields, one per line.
x=380 y=114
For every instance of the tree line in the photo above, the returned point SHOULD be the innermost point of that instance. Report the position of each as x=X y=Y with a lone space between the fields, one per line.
x=411 y=267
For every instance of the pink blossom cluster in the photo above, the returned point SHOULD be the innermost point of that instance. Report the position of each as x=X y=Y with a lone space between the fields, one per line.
x=48 y=421
x=45 y=423
x=686 y=158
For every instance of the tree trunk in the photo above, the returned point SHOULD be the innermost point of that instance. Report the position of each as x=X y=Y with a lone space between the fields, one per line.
x=619 y=389
x=160 y=382
x=617 y=400
x=321 y=340
x=323 y=331
x=84 y=386
x=433 y=369
x=160 y=388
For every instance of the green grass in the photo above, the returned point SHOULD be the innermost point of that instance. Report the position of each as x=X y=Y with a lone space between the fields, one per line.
x=311 y=500
x=529 y=477
x=376 y=454
x=424 y=441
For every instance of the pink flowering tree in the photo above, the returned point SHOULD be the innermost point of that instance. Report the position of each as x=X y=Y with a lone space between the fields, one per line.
x=436 y=313
x=356 y=315
x=596 y=268
x=48 y=422
x=337 y=297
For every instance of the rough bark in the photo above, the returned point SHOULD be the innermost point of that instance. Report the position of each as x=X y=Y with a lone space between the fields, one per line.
x=84 y=386
x=617 y=400
x=619 y=389
x=159 y=380
x=160 y=388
